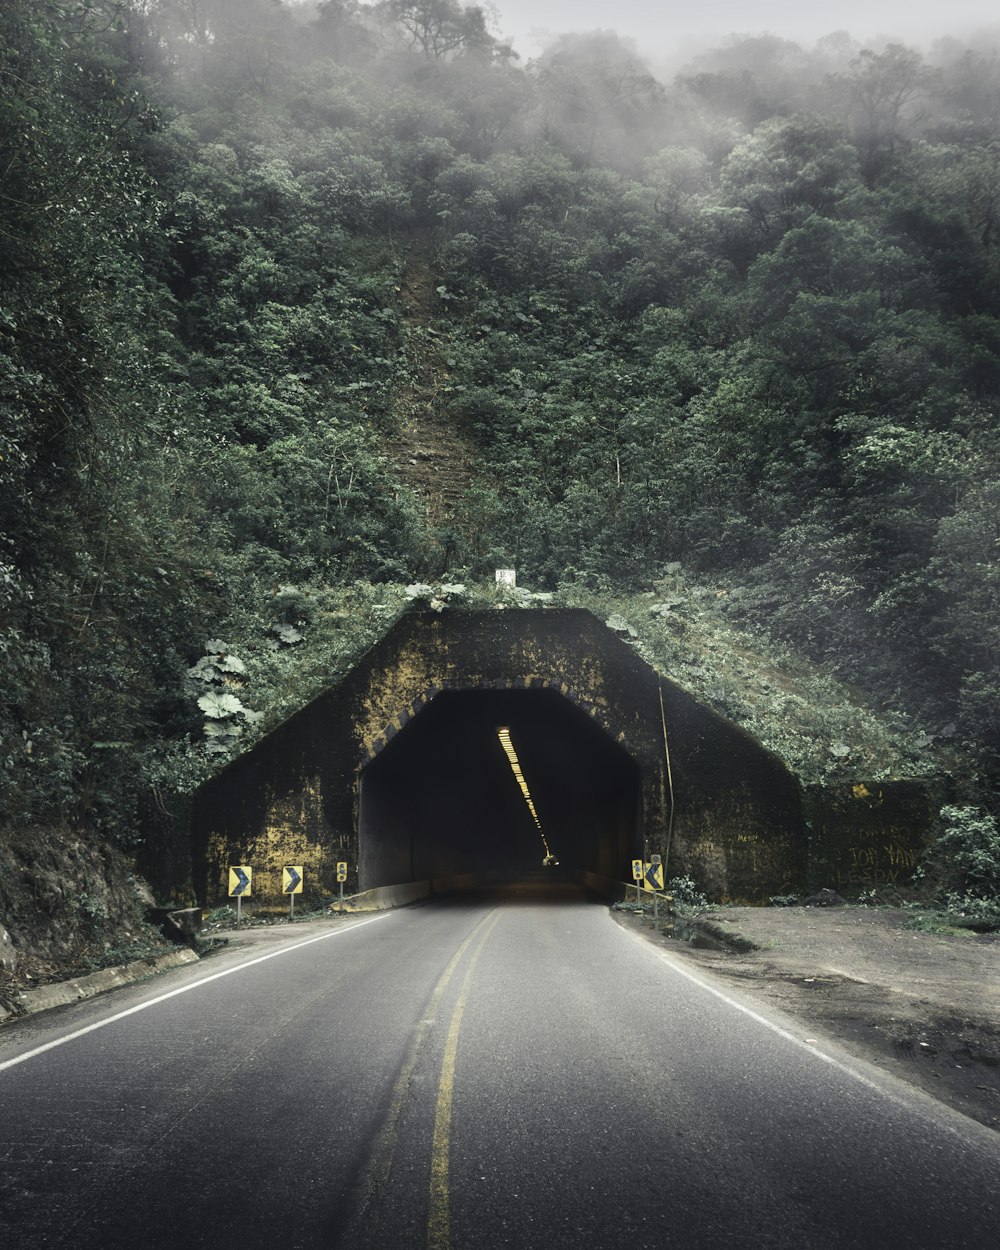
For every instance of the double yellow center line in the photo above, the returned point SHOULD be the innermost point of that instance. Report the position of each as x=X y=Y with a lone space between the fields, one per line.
x=438 y=1221
x=380 y=1167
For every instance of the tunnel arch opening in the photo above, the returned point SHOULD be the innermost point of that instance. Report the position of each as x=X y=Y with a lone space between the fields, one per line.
x=440 y=801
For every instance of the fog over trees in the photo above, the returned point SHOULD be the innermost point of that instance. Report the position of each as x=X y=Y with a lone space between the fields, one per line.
x=666 y=29
x=743 y=317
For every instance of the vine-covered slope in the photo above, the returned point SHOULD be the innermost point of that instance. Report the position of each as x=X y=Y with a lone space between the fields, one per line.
x=303 y=303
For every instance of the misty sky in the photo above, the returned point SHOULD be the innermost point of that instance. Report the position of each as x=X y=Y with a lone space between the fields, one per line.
x=658 y=24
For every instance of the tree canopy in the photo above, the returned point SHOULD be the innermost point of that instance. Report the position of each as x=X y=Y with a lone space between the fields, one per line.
x=745 y=321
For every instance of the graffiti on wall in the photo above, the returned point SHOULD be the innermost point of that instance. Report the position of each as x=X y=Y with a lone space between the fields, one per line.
x=886 y=862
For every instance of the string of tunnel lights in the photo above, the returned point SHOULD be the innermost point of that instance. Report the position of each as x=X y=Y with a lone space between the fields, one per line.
x=503 y=733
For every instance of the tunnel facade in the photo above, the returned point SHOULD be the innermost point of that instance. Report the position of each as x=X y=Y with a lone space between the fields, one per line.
x=398 y=770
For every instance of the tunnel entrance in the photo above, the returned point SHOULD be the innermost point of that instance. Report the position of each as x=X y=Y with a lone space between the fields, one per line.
x=442 y=801
x=397 y=770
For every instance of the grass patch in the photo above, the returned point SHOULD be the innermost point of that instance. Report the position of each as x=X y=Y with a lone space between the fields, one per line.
x=937 y=922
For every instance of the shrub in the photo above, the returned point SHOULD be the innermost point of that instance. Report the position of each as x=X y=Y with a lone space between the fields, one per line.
x=965 y=854
x=962 y=865
x=972 y=912
x=684 y=891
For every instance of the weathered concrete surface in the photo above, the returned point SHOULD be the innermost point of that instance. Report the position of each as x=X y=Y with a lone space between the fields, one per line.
x=59 y=993
x=386 y=897
x=869 y=834
x=293 y=799
x=737 y=822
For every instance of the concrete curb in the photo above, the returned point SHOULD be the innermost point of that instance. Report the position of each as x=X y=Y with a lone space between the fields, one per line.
x=75 y=991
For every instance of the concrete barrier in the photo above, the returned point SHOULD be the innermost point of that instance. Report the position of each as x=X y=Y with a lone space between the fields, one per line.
x=384 y=897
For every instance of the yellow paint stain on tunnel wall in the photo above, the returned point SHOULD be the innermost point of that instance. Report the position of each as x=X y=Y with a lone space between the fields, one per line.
x=288 y=836
x=425 y=663
x=414 y=671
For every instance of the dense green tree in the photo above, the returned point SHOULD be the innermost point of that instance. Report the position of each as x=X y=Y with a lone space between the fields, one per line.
x=598 y=100
x=441 y=28
x=788 y=169
x=239 y=242
x=339 y=30
x=881 y=91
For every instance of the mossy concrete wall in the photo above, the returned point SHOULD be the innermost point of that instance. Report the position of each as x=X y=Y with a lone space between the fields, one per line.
x=869 y=834
x=737 y=822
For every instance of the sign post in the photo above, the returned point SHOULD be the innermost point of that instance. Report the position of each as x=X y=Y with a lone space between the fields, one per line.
x=240 y=884
x=341 y=878
x=291 y=884
x=653 y=877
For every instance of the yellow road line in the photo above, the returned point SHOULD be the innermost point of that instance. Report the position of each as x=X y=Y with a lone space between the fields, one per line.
x=382 y=1154
x=438 y=1222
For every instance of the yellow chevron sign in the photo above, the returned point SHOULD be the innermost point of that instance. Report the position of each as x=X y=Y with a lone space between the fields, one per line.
x=653 y=876
x=240 y=881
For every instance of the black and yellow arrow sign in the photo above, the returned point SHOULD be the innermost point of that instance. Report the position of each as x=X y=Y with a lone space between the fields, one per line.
x=653 y=876
x=240 y=881
x=291 y=879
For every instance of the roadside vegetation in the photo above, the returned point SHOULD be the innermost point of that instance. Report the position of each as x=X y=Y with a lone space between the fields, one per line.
x=961 y=871
x=726 y=349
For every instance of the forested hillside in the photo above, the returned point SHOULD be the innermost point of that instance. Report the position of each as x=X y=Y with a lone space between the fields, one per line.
x=744 y=322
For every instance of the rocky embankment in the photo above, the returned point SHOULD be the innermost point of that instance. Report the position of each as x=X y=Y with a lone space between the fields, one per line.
x=69 y=905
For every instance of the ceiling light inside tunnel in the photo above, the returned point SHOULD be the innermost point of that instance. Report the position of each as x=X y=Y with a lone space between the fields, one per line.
x=503 y=733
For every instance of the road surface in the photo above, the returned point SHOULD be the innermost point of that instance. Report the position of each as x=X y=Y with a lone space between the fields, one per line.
x=514 y=1070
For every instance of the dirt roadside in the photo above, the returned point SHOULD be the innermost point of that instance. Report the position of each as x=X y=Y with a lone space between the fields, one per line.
x=925 y=1007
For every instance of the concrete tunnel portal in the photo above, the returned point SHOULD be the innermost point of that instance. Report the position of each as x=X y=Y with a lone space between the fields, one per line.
x=441 y=800
x=398 y=771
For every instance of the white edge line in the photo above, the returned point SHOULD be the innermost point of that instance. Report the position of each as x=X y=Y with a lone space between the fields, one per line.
x=877 y=1088
x=775 y=1028
x=182 y=989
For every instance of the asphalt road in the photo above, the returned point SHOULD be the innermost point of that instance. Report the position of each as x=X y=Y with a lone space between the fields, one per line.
x=508 y=1071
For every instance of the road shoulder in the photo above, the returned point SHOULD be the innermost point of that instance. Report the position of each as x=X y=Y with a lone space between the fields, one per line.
x=922 y=1006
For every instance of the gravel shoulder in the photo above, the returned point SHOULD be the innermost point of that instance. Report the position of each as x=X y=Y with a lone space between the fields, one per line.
x=924 y=1006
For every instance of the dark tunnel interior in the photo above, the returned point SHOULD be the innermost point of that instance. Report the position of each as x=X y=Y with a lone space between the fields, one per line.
x=441 y=800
